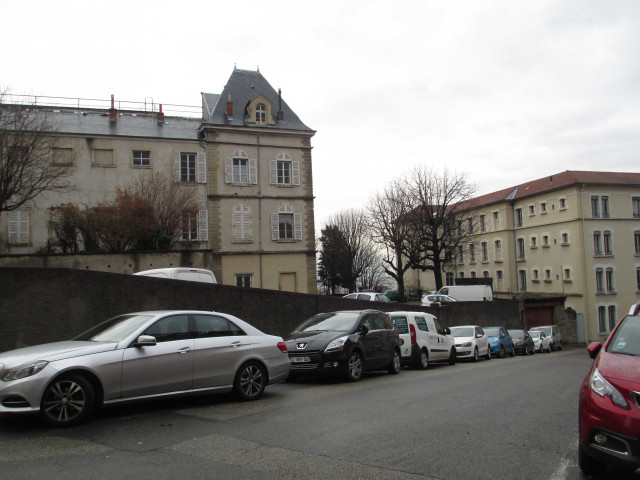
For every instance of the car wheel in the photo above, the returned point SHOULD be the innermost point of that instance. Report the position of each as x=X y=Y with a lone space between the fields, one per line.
x=502 y=352
x=589 y=465
x=423 y=362
x=476 y=357
x=354 y=367
x=488 y=353
x=512 y=352
x=551 y=347
x=250 y=381
x=67 y=401
x=452 y=357
x=394 y=366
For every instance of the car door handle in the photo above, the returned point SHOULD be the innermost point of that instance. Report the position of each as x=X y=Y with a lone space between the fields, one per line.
x=235 y=344
x=184 y=350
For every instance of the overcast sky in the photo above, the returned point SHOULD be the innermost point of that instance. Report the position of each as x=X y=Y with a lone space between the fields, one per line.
x=505 y=91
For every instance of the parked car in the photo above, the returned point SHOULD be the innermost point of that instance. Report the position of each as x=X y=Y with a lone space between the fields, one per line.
x=436 y=299
x=553 y=332
x=370 y=296
x=345 y=343
x=500 y=341
x=181 y=273
x=423 y=339
x=394 y=296
x=540 y=341
x=141 y=355
x=468 y=293
x=610 y=401
x=471 y=342
x=522 y=342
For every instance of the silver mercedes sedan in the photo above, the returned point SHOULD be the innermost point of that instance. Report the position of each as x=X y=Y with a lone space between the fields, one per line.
x=137 y=356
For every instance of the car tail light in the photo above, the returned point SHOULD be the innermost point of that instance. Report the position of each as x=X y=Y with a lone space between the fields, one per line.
x=413 y=334
x=283 y=347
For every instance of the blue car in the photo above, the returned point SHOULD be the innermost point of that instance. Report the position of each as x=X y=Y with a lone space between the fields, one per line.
x=500 y=341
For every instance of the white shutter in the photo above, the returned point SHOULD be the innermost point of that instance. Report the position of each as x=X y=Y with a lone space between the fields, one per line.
x=19 y=227
x=201 y=168
x=273 y=172
x=297 y=226
x=253 y=171
x=275 y=234
x=203 y=225
x=295 y=173
x=228 y=170
x=176 y=166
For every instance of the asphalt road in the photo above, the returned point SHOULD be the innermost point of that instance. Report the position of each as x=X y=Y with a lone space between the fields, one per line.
x=500 y=419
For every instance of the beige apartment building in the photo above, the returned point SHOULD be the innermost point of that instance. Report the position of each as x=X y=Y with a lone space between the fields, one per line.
x=573 y=234
x=246 y=153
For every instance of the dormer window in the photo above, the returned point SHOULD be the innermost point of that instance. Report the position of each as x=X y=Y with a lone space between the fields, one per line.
x=261 y=114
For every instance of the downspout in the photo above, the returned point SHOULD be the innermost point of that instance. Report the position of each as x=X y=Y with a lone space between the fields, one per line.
x=586 y=322
x=260 y=273
x=204 y=144
x=515 y=245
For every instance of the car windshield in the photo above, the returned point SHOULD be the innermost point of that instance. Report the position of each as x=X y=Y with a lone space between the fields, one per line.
x=516 y=333
x=462 y=331
x=115 y=329
x=534 y=334
x=626 y=340
x=340 y=321
x=492 y=331
x=546 y=330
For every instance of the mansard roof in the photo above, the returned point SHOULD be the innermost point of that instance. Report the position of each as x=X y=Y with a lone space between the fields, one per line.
x=242 y=87
x=556 y=182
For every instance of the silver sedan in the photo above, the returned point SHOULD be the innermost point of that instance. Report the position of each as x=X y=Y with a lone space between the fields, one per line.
x=141 y=355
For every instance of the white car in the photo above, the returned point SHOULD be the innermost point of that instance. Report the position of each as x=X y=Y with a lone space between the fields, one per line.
x=370 y=296
x=541 y=342
x=553 y=332
x=436 y=299
x=423 y=339
x=471 y=342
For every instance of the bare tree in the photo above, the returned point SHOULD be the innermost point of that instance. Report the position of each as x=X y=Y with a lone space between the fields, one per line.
x=27 y=163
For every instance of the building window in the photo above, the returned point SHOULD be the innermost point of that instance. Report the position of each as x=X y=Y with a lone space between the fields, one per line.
x=499 y=274
x=62 y=156
x=195 y=226
x=485 y=274
x=19 y=227
x=496 y=220
x=485 y=251
x=473 y=274
x=141 y=158
x=240 y=169
x=461 y=254
x=595 y=207
x=602 y=319
x=472 y=252
x=543 y=207
x=547 y=274
x=533 y=242
x=608 y=276
x=449 y=278
x=520 y=248
x=597 y=243
x=635 y=204
x=103 y=157
x=261 y=114
x=283 y=171
x=636 y=242
x=605 y=207
x=470 y=220
x=564 y=238
x=483 y=223
x=187 y=167
x=461 y=274
x=612 y=317
x=638 y=279
x=523 y=280
x=545 y=240
x=244 y=279
x=608 y=247
x=498 y=249
x=241 y=223
x=286 y=225
x=599 y=280
x=567 y=275
x=563 y=203
x=535 y=275
x=518 y=217
x=532 y=210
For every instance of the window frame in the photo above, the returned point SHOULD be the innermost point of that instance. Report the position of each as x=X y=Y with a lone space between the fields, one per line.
x=141 y=160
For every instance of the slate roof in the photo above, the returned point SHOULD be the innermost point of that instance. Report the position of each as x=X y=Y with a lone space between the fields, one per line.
x=555 y=182
x=245 y=85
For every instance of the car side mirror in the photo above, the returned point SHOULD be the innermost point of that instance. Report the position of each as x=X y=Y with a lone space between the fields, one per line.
x=447 y=331
x=363 y=329
x=594 y=348
x=145 y=341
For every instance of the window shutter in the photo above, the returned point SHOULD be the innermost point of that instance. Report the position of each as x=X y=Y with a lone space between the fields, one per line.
x=201 y=166
x=273 y=172
x=19 y=227
x=295 y=173
x=228 y=170
x=297 y=226
x=253 y=171
x=275 y=234
x=203 y=226
x=14 y=226
x=176 y=166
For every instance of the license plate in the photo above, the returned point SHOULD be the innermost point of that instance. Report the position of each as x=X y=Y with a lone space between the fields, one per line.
x=300 y=359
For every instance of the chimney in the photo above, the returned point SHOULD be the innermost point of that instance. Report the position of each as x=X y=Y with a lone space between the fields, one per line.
x=229 y=107
x=160 y=116
x=280 y=112
x=113 y=113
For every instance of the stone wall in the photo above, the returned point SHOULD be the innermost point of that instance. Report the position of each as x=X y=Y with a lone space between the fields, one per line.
x=39 y=305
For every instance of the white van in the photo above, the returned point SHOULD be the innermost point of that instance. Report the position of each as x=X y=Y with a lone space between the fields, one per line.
x=468 y=293
x=181 y=273
x=423 y=339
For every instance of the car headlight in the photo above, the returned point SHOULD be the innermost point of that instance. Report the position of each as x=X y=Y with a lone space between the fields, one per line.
x=466 y=344
x=23 y=371
x=603 y=388
x=336 y=345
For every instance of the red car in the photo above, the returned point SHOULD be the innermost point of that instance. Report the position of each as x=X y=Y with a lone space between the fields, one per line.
x=610 y=401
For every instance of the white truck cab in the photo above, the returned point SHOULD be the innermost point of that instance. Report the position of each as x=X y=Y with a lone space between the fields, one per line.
x=423 y=339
